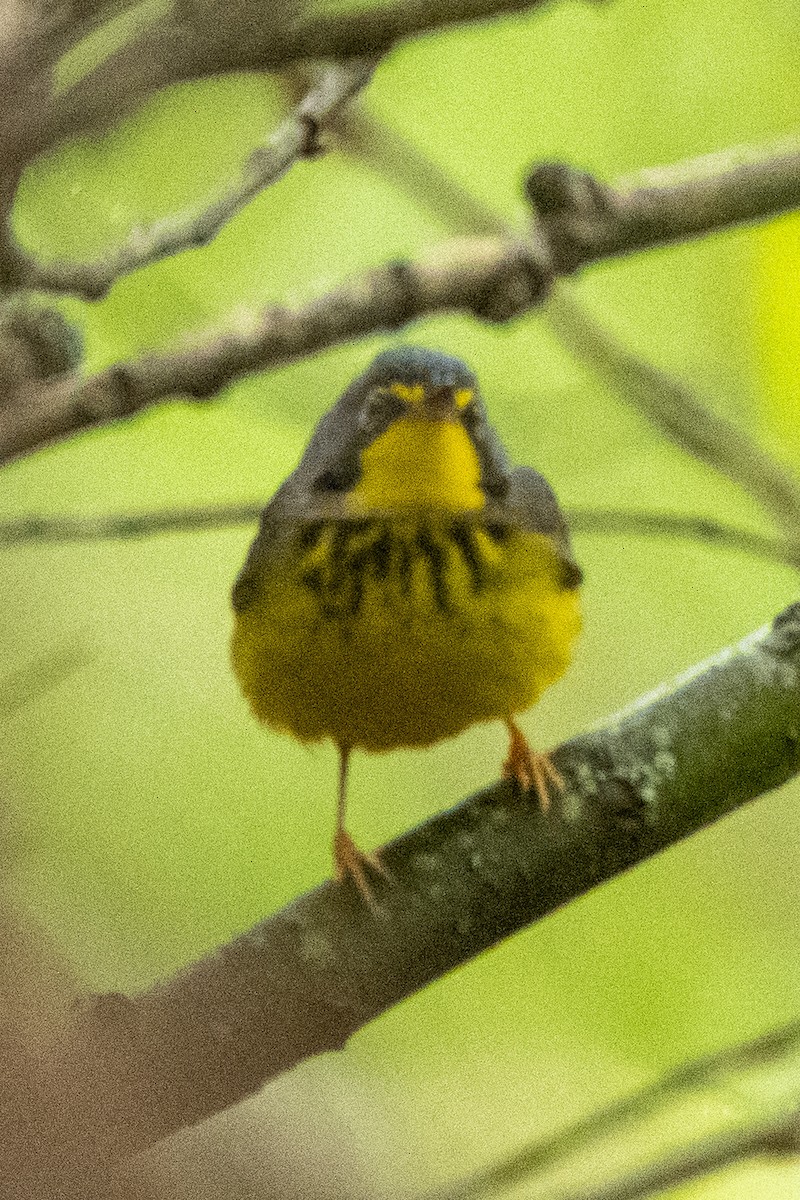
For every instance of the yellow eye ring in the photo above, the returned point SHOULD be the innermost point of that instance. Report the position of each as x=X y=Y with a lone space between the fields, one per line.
x=408 y=393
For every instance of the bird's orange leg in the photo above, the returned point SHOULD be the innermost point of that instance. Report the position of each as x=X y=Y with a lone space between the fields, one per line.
x=532 y=769
x=347 y=858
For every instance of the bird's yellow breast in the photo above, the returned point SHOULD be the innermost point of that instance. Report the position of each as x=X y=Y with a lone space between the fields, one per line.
x=389 y=631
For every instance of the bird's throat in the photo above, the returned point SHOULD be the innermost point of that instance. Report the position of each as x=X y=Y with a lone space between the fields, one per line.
x=419 y=464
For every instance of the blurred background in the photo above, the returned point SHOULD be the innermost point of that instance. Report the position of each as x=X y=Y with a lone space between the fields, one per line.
x=147 y=818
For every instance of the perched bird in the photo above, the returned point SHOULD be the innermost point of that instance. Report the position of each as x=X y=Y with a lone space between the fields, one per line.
x=406 y=582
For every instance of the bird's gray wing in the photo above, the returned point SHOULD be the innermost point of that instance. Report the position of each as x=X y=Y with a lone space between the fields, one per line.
x=532 y=503
x=266 y=549
x=314 y=491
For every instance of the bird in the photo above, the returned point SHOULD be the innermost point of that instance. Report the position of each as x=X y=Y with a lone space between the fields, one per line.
x=406 y=583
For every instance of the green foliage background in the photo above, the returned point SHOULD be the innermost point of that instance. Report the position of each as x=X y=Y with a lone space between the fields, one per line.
x=150 y=819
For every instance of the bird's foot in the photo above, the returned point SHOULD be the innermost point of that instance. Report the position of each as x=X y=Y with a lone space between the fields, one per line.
x=533 y=770
x=349 y=861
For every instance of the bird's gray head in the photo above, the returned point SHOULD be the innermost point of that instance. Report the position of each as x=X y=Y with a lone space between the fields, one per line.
x=405 y=383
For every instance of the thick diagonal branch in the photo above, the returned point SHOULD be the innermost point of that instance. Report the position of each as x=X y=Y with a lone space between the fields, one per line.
x=303 y=981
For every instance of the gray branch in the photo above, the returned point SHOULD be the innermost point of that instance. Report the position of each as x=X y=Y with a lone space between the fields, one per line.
x=570 y=205
x=493 y=278
x=36 y=343
x=133 y=1070
x=613 y=522
x=729 y=1106
x=191 y=42
x=50 y=669
x=674 y=408
x=297 y=138
x=584 y=220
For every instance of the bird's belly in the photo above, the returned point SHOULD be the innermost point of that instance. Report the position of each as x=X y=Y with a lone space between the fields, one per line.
x=389 y=634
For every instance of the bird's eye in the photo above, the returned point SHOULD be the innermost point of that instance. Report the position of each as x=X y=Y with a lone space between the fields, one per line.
x=379 y=411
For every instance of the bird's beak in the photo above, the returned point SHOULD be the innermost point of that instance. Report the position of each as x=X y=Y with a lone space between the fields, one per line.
x=438 y=404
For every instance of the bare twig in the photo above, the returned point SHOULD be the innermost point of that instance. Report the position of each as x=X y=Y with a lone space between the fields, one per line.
x=625 y=523
x=584 y=220
x=20 y=531
x=729 y=1106
x=495 y=279
x=47 y=671
x=571 y=206
x=613 y=522
x=191 y=43
x=296 y=138
x=35 y=343
x=674 y=408
x=132 y=1070
x=398 y=160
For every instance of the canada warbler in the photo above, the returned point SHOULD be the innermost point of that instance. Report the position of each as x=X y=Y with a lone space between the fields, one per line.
x=406 y=582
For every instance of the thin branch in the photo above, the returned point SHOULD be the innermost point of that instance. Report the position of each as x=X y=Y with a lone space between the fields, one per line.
x=128 y=526
x=584 y=220
x=393 y=157
x=133 y=1070
x=673 y=408
x=192 y=43
x=571 y=207
x=33 y=680
x=35 y=343
x=296 y=138
x=494 y=279
x=729 y=1106
x=613 y=522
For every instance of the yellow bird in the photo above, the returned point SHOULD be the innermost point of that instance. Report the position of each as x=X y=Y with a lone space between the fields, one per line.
x=406 y=582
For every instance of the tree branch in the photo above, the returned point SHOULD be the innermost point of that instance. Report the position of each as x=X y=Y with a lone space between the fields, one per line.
x=397 y=160
x=494 y=279
x=613 y=522
x=673 y=407
x=491 y=279
x=191 y=43
x=729 y=1106
x=621 y=522
x=47 y=671
x=296 y=138
x=36 y=343
x=569 y=203
x=584 y=220
x=131 y=1071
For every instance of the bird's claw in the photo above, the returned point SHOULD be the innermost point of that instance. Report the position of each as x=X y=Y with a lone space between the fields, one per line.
x=350 y=861
x=532 y=770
